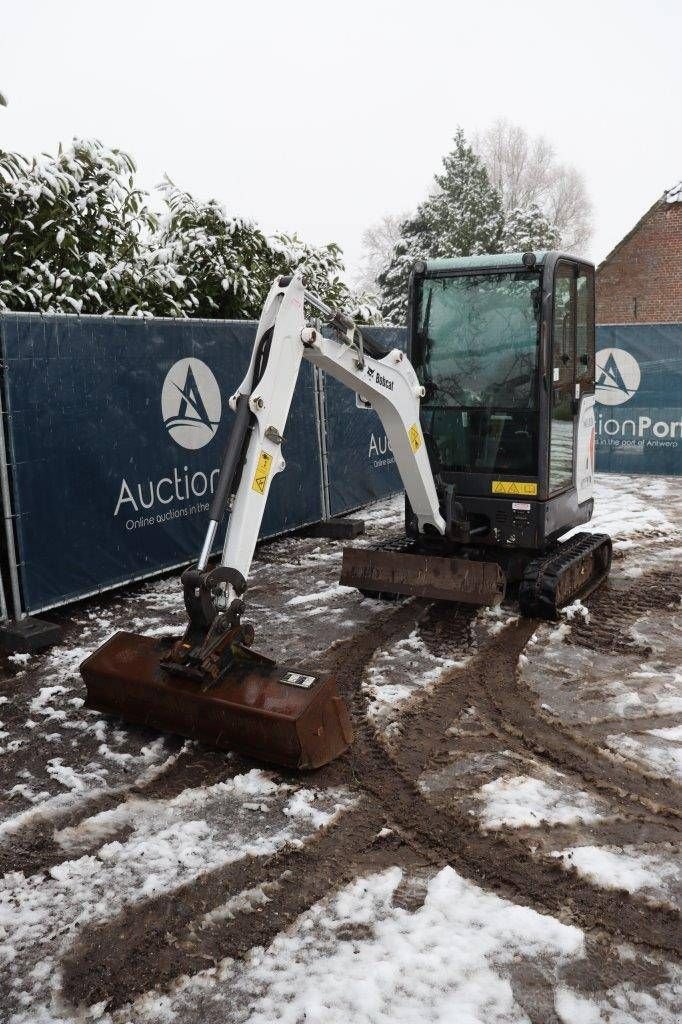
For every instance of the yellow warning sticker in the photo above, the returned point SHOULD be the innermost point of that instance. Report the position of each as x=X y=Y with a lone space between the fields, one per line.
x=415 y=438
x=260 y=477
x=513 y=487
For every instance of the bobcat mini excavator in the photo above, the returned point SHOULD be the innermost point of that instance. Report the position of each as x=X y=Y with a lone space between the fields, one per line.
x=490 y=419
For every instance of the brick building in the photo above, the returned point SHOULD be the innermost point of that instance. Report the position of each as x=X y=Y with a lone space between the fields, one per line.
x=640 y=281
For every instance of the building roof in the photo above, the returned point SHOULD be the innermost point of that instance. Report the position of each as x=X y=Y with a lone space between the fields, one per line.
x=671 y=195
x=674 y=194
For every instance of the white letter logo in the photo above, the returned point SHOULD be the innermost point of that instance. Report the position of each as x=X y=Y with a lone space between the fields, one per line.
x=617 y=376
x=191 y=403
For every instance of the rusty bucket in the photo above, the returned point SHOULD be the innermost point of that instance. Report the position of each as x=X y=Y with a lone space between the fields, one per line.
x=275 y=714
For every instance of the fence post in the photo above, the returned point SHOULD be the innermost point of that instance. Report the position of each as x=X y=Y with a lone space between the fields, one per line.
x=321 y=418
x=6 y=498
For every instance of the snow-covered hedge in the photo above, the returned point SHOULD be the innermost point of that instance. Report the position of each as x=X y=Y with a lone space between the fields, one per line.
x=77 y=235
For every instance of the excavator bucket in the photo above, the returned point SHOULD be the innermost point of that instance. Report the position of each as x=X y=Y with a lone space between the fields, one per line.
x=435 y=576
x=278 y=715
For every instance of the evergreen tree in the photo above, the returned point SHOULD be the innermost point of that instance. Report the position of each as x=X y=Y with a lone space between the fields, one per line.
x=463 y=217
x=529 y=229
x=413 y=244
x=465 y=214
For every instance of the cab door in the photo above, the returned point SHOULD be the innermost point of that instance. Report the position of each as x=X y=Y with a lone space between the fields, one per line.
x=563 y=405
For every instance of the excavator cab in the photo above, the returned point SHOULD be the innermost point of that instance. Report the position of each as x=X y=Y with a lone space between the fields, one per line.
x=504 y=346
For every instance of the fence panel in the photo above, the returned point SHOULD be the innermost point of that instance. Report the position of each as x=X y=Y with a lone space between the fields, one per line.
x=116 y=428
x=639 y=398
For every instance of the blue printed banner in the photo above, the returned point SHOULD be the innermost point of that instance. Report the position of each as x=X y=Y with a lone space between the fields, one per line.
x=116 y=429
x=639 y=398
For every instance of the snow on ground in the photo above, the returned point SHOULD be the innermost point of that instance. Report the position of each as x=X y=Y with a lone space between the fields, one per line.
x=358 y=957
x=138 y=850
x=661 y=756
x=625 y=1005
x=628 y=867
x=581 y=685
x=395 y=675
x=628 y=506
x=518 y=801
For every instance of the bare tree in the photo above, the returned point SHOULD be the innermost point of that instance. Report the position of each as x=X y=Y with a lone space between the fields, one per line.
x=378 y=242
x=525 y=170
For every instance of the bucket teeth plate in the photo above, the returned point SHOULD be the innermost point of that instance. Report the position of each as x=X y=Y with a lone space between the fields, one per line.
x=272 y=713
x=434 y=576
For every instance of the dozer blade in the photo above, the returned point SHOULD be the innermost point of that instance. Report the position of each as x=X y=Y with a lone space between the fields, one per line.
x=268 y=712
x=436 y=576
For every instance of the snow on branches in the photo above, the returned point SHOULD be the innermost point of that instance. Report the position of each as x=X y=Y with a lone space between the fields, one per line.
x=77 y=235
x=464 y=215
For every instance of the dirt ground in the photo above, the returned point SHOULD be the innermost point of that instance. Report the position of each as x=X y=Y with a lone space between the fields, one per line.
x=501 y=843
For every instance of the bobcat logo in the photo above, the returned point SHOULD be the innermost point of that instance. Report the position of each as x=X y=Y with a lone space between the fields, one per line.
x=618 y=376
x=191 y=403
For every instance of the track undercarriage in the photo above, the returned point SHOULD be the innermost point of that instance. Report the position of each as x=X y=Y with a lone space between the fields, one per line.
x=546 y=583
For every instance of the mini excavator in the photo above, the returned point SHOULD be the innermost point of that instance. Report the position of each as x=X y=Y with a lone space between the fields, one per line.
x=490 y=418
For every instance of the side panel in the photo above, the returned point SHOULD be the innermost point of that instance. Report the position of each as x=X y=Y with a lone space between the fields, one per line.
x=585 y=447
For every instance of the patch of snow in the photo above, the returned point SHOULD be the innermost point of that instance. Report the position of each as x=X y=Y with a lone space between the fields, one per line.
x=328 y=594
x=138 y=850
x=582 y=685
x=521 y=801
x=623 y=511
x=622 y=868
x=674 y=194
x=572 y=1008
x=576 y=608
x=46 y=806
x=40 y=703
x=664 y=759
x=623 y=1004
x=393 y=675
x=245 y=902
x=20 y=658
x=673 y=733
x=491 y=620
x=446 y=961
x=300 y=805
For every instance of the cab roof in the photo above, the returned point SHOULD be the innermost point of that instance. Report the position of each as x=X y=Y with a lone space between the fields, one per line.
x=501 y=261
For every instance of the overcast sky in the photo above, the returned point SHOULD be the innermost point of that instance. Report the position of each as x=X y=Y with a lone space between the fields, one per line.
x=320 y=117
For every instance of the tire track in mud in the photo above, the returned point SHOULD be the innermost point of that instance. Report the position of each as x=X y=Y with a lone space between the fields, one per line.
x=32 y=847
x=500 y=861
x=164 y=938
x=634 y=726
x=168 y=942
x=515 y=709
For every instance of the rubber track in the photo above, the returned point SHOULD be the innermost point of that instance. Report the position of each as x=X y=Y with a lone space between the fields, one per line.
x=542 y=576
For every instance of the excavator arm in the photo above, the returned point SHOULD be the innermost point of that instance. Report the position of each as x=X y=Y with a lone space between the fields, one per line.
x=386 y=382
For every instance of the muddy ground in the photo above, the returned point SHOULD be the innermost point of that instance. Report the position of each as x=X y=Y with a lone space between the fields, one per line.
x=501 y=843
